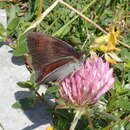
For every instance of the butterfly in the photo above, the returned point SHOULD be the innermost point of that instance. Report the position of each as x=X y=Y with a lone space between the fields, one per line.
x=52 y=58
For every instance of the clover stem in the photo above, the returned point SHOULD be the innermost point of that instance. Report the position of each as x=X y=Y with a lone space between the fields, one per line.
x=75 y=120
x=90 y=123
x=43 y=99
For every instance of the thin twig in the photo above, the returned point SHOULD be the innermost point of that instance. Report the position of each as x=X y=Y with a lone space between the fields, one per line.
x=6 y=0
x=124 y=44
x=51 y=24
x=82 y=15
x=90 y=123
x=40 y=8
x=43 y=15
x=39 y=96
x=1 y=126
x=127 y=118
x=43 y=100
x=74 y=18
x=90 y=21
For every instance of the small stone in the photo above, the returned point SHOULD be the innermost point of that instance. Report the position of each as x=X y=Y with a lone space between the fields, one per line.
x=3 y=17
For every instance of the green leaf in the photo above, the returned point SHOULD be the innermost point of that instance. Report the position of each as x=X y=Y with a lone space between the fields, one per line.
x=121 y=102
x=27 y=84
x=62 y=124
x=24 y=103
x=118 y=127
x=128 y=126
x=75 y=39
x=125 y=54
x=53 y=89
x=20 y=50
x=3 y=33
x=32 y=77
x=21 y=47
x=5 y=4
x=118 y=85
x=13 y=26
x=64 y=32
x=64 y=119
x=129 y=76
x=124 y=103
x=12 y=12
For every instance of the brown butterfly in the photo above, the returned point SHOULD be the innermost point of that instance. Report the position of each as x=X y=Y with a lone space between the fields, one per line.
x=52 y=58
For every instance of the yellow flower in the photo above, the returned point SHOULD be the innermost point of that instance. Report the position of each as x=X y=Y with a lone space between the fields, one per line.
x=112 y=58
x=50 y=127
x=108 y=42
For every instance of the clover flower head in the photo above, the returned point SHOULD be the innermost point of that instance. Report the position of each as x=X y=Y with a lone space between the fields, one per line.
x=86 y=85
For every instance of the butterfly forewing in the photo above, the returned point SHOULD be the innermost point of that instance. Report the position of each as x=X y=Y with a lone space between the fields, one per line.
x=49 y=53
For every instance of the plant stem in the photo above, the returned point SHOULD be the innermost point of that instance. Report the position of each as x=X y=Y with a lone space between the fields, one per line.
x=89 y=20
x=73 y=19
x=90 y=123
x=76 y=118
x=43 y=15
x=82 y=15
x=40 y=8
x=51 y=25
x=43 y=100
x=1 y=126
x=108 y=116
x=124 y=44
x=117 y=122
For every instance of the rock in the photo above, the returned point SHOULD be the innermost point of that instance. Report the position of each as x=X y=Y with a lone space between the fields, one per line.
x=13 y=70
x=3 y=17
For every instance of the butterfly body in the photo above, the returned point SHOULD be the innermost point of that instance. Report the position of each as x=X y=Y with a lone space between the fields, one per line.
x=52 y=58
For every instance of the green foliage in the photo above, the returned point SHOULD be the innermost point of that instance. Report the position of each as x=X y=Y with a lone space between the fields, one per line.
x=24 y=103
x=62 y=119
x=20 y=47
x=53 y=89
x=3 y=33
x=12 y=26
x=28 y=84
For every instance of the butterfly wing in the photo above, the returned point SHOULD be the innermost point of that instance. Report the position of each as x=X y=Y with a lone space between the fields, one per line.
x=49 y=54
x=57 y=70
